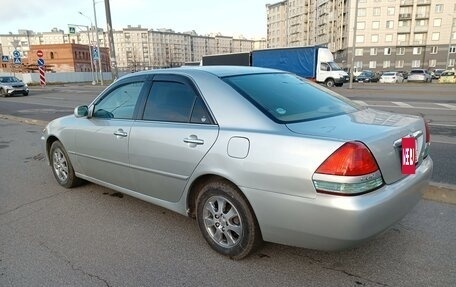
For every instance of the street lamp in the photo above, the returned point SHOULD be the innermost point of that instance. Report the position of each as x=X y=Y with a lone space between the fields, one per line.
x=90 y=47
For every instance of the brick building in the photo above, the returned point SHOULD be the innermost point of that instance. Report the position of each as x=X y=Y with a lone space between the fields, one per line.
x=67 y=57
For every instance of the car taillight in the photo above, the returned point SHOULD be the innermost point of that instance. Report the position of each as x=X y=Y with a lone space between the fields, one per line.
x=350 y=170
x=428 y=139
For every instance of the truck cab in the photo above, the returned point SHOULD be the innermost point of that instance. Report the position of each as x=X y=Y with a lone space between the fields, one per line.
x=327 y=71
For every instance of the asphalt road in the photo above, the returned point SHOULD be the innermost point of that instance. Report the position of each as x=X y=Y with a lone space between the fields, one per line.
x=92 y=236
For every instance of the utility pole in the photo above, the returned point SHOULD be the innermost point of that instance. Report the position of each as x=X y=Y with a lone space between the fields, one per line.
x=98 y=44
x=352 y=69
x=112 y=51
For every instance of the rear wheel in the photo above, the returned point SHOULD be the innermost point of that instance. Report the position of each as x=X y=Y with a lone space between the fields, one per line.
x=226 y=220
x=61 y=166
x=25 y=93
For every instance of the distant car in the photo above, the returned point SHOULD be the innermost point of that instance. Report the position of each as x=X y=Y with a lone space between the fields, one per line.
x=448 y=77
x=419 y=75
x=404 y=74
x=391 y=77
x=253 y=154
x=436 y=73
x=368 y=77
x=10 y=85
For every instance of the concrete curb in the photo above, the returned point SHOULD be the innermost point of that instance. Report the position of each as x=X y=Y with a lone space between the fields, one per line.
x=436 y=191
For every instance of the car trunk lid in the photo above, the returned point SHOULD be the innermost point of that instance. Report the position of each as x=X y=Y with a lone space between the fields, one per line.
x=380 y=131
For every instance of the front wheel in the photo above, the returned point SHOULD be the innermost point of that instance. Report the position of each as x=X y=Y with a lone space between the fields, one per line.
x=226 y=220
x=329 y=83
x=61 y=166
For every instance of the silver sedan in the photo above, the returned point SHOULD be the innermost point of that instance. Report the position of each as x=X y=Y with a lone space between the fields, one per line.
x=253 y=154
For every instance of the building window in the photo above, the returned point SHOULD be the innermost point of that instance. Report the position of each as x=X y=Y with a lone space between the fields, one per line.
x=387 y=51
x=359 y=38
x=437 y=22
x=432 y=63
x=386 y=64
x=373 y=51
x=359 y=65
x=438 y=8
x=361 y=12
x=372 y=64
x=389 y=38
x=453 y=49
x=451 y=62
x=400 y=51
x=376 y=25
x=389 y=24
x=52 y=55
x=435 y=36
x=377 y=11
x=358 y=52
x=374 y=38
x=400 y=64
x=434 y=50
x=360 y=25
x=416 y=51
x=416 y=63
x=390 y=11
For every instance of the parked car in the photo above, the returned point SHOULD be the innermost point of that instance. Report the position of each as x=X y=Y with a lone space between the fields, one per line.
x=436 y=73
x=10 y=85
x=368 y=77
x=391 y=77
x=448 y=77
x=419 y=75
x=252 y=153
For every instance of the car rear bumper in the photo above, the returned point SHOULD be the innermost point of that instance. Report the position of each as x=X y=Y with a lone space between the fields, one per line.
x=331 y=222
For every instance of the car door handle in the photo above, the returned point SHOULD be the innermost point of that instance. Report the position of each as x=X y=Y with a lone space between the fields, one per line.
x=194 y=140
x=120 y=133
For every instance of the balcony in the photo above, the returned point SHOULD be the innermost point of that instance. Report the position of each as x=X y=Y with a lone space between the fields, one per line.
x=406 y=3
x=405 y=16
x=423 y=2
x=421 y=28
x=422 y=16
x=402 y=43
x=403 y=29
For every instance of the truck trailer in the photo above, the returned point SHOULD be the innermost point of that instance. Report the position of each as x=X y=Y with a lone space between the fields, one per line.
x=311 y=62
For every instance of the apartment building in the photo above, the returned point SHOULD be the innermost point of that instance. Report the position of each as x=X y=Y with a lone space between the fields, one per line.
x=137 y=48
x=384 y=35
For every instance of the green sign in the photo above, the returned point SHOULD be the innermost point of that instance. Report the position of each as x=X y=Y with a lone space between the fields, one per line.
x=72 y=29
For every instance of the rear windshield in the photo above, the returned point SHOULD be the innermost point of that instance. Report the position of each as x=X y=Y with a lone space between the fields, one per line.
x=287 y=98
x=416 y=72
x=389 y=74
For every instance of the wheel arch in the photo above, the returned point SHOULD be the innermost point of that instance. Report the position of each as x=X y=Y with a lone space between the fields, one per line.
x=49 y=141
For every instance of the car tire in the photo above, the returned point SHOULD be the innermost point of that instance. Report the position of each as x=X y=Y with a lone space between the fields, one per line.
x=25 y=94
x=2 y=93
x=226 y=220
x=330 y=83
x=61 y=166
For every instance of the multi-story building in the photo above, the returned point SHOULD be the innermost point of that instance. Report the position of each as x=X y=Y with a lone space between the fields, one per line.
x=383 y=34
x=137 y=48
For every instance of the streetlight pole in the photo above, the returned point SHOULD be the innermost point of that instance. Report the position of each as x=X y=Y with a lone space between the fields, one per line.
x=94 y=68
x=112 y=51
x=90 y=49
x=98 y=43
x=352 y=69
x=449 y=42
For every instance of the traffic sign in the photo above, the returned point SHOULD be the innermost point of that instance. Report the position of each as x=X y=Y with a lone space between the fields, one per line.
x=16 y=54
x=95 y=54
x=17 y=61
x=40 y=62
x=71 y=29
x=5 y=59
x=39 y=53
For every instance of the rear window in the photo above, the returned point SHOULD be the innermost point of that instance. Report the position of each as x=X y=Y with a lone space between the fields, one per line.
x=416 y=72
x=286 y=98
x=389 y=74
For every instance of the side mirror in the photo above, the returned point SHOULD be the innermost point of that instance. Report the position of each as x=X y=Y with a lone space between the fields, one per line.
x=81 y=111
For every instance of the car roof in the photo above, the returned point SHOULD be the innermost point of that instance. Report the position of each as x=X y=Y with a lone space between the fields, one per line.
x=219 y=71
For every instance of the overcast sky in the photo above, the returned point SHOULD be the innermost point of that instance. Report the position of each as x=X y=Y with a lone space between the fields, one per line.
x=229 y=17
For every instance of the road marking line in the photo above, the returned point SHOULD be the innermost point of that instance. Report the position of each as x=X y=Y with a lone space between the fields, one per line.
x=401 y=104
x=451 y=107
x=360 y=103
